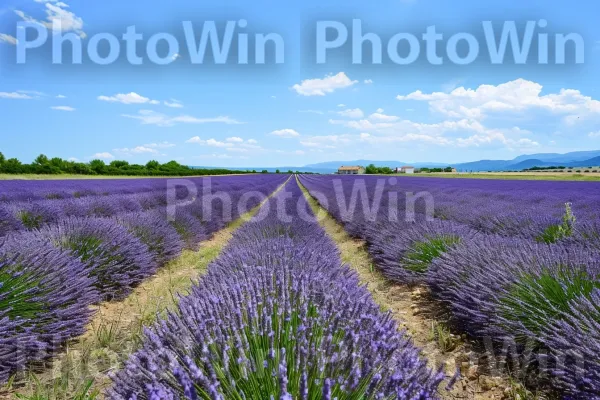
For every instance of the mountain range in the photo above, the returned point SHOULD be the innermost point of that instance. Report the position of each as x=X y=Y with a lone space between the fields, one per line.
x=573 y=160
x=570 y=160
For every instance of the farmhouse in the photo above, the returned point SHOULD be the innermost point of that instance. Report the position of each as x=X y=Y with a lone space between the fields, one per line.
x=407 y=169
x=351 y=170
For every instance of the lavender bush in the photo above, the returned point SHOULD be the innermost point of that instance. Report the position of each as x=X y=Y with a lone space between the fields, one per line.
x=574 y=341
x=44 y=300
x=153 y=229
x=114 y=257
x=512 y=288
x=405 y=251
x=8 y=222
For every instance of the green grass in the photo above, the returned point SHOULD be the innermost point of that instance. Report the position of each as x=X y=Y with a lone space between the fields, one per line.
x=16 y=296
x=443 y=337
x=536 y=300
x=555 y=233
x=419 y=257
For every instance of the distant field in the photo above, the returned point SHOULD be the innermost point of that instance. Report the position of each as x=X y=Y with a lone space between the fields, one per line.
x=36 y=177
x=532 y=176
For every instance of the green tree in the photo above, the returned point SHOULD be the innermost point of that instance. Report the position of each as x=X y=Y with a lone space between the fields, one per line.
x=152 y=165
x=119 y=164
x=2 y=158
x=42 y=159
x=98 y=166
x=13 y=166
x=264 y=171
x=277 y=172
x=371 y=169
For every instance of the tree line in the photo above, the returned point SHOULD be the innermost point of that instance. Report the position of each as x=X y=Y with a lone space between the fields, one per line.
x=56 y=166
x=372 y=169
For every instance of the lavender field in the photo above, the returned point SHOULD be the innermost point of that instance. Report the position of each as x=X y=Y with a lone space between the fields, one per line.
x=67 y=245
x=278 y=314
x=515 y=263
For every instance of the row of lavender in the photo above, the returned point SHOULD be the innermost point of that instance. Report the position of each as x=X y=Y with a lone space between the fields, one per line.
x=277 y=316
x=530 y=283
x=35 y=203
x=52 y=272
x=526 y=209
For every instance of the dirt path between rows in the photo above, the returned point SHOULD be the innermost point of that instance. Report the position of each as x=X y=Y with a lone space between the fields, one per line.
x=423 y=319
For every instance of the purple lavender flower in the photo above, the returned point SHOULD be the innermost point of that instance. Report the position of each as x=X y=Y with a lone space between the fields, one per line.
x=153 y=229
x=300 y=323
x=45 y=296
x=114 y=257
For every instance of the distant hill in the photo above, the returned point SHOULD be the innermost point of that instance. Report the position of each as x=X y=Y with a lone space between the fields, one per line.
x=483 y=165
x=560 y=158
x=570 y=160
x=332 y=166
x=520 y=163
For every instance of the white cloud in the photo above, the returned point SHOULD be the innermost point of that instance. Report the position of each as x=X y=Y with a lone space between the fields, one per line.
x=57 y=11
x=300 y=152
x=209 y=142
x=218 y=156
x=341 y=105
x=173 y=104
x=309 y=144
x=285 y=133
x=15 y=95
x=594 y=134
x=321 y=87
x=60 y=96
x=35 y=93
x=149 y=117
x=137 y=150
x=63 y=108
x=187 y=119
x=380 y=117
x=235 y=139
x=130 y=98
x=328 y=141
x=352 y=113
x=515 y=96
x=103 y=156
x=162 y=145
x=252 y=141
x=73 y=159
x=237 y=149
x=4 y=38
x=368 y=81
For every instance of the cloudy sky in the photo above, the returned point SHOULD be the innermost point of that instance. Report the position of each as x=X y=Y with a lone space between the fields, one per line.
x=296 y=113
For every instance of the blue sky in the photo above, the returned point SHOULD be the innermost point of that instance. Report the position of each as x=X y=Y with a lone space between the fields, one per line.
x=299 y=112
